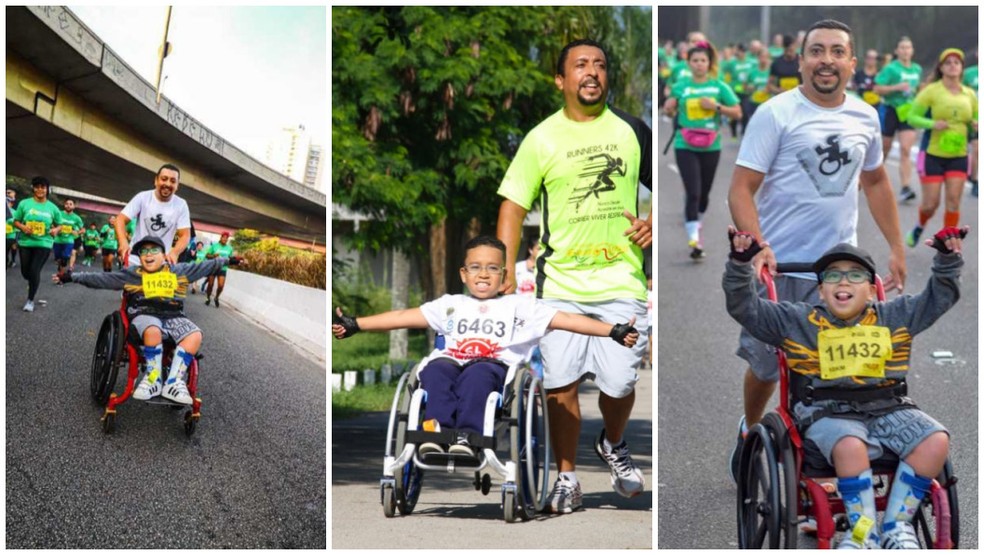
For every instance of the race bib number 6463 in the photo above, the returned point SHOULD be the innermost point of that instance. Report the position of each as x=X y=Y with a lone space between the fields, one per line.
x=859 y=351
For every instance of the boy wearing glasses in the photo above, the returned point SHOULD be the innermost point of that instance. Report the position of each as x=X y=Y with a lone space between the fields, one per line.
x=847 y=357
x=484 y=334
x=155 y=296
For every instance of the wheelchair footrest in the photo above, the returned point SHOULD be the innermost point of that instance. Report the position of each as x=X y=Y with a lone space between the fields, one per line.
x=450 y=437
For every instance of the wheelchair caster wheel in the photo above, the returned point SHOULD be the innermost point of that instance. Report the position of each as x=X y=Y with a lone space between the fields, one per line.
x=190 y=423
x=486 y=484
x=109 y=423
x=389 y=502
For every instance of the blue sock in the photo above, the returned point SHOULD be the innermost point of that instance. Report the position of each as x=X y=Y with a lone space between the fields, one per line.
x=908 y=490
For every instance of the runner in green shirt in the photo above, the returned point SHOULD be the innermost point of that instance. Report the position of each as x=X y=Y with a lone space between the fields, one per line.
x=36 y=218
x=897 y=83
x=697 y=104
x=69 y=228
x=198 y=254
x=221 y=249
x=11 y=230
x=109 y=243
x=90 y=242
x=742 y=66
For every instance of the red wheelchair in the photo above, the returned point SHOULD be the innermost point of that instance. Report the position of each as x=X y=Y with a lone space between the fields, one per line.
x=118 y=346
x=784 y=480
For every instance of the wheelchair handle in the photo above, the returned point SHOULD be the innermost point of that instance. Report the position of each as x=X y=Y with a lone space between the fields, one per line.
x=806 y=268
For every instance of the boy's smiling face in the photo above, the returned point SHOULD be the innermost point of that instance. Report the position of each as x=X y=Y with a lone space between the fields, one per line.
x=844 y=299
x=483 y=271
x=151 y=258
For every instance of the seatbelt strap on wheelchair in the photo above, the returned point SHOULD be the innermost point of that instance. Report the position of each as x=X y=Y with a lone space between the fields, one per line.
x=859 y=503
x=908 y=490
x=153 y=357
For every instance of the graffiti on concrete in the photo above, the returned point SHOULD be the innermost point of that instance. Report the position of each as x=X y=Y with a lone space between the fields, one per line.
x=68 y=27
x=190 y=127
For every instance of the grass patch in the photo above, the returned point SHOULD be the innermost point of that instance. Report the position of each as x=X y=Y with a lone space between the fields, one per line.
x=371 y=351
x=363 y=399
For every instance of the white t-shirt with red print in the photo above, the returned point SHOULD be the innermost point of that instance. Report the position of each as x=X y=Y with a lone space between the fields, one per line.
x=505 y=328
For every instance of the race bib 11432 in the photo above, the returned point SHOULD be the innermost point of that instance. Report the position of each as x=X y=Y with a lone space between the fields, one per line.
x=859 y=351
x=160 y=284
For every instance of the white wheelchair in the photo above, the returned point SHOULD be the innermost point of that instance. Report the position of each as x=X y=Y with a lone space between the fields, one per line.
x=514 y=443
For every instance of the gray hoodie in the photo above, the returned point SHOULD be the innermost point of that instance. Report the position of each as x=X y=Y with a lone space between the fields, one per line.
x=131 y=281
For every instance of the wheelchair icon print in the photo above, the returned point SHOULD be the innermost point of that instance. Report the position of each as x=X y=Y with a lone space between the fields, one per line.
x=836 y=158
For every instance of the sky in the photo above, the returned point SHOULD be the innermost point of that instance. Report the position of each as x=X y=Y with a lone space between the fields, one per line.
x=243 y=72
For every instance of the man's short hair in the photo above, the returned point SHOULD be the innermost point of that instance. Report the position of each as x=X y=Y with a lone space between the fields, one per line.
x=562 y=59
x=485 y=241
x=829 y=24
x=171 y=167
x=40 y=180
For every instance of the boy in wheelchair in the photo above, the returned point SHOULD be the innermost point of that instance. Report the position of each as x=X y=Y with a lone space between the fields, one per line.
x=485 y=333
x=849 y=358
x=155 y=307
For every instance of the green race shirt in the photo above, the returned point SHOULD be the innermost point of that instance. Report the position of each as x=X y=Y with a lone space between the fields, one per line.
x=11 y=230
x=40 y=217
x=70 y=223
x=741 y=74
x=110 y=242
x=690 y=115
x=585 y=174
x=679 y=69
x=131 y=227
x=758 y=80
x=895 y=73
x=91 y=238
x=957 y=109
x=200 y=255
x=219 y=249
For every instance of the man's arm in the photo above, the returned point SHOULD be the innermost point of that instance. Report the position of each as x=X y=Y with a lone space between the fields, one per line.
x=509 y=230
x=184 y=235
x=120 y=228
x=877 y=189
x=578 y=323
x=745 y=183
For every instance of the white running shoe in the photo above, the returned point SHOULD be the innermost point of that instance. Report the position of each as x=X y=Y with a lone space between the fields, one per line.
x=29 y=306
x=900 y=536
x=147 y=389
x=565 y=498
x=627 y=478
x=176 y=390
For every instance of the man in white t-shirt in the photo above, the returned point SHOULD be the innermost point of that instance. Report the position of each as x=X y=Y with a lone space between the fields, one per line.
x=160 y=213
x=525 y=274
x=806 y=153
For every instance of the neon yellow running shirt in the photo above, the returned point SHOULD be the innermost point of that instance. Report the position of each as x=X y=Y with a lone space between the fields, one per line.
x=585 y=174
x=957 y=109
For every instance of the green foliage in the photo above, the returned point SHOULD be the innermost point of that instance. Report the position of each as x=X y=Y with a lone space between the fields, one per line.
x=371 y=350
x=350 y=404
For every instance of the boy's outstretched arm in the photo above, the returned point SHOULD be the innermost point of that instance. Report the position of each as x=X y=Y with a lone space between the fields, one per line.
x=623 y=334
x=93 y=280
x=346 y=326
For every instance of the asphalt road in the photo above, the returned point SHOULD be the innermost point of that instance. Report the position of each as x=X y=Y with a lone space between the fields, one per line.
x=252 y=476
x=450 y=514
x=700 y=377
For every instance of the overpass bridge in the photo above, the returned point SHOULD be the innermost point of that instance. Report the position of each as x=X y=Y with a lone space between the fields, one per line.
x=79 y=115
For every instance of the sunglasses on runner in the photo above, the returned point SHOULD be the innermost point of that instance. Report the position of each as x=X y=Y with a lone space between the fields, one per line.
x=474 y=269
x=853 y=276
x=150 y=250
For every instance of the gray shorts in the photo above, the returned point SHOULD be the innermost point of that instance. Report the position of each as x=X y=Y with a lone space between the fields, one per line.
x=176 y=328
x=899 y=432
x=760 y=356
x=572 y=357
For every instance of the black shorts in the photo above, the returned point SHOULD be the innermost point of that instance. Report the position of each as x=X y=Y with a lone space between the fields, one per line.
x=939 y=168
x=890 y=121
x=78 y=243
x=90 y=250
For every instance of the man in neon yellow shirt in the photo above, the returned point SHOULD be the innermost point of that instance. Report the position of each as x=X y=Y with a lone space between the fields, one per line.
x=585 y=163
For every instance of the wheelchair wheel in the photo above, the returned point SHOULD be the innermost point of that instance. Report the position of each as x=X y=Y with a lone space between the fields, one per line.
x=107 y=358
x=759 y=503
x=930 y=518
x=409 y=477
x=529 y=434
x=190 y=423
x=788 y=480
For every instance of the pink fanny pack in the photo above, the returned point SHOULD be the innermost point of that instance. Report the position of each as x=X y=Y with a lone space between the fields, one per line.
x=699 y=138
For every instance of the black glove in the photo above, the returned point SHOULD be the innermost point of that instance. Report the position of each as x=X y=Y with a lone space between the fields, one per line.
x=749 y=253
x=347 y=322
x=939 y=240
x=235 y=260
x=65 y=276
x=619 y=331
